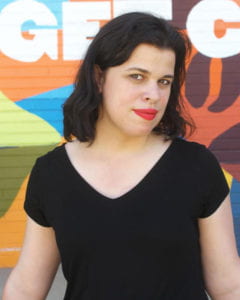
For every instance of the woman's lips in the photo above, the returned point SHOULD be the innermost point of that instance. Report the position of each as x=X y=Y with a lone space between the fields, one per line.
x=147 y=114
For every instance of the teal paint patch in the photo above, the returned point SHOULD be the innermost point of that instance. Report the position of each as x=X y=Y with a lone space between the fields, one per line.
x=54 y=6
x=235 y=201
x=48 y=106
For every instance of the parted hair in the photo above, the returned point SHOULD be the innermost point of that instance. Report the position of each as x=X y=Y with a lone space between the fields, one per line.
x=112 y=46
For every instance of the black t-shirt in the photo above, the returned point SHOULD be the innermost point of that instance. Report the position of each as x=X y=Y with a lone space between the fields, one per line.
x=143 y=245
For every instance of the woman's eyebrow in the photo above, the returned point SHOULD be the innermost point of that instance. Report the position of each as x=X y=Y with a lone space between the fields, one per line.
x=137 y=69
x=171 y=76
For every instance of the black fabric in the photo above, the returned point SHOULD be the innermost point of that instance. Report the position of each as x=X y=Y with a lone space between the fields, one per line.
x=143 y=245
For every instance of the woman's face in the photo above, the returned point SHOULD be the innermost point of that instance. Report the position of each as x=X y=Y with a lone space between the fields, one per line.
x=135 y=94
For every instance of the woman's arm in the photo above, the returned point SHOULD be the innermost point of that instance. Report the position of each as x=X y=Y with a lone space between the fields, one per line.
x=33 y=275
x=221 y=263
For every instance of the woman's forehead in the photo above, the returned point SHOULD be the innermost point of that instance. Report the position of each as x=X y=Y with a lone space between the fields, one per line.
x=145 y=56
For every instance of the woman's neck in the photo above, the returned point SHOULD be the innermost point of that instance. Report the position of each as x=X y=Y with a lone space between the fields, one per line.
x=122 y=145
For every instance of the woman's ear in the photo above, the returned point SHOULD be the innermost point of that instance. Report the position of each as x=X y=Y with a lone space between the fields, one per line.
x=99 y=77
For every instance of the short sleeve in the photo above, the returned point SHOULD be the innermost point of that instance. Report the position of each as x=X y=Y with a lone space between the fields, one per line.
x=217 y=187
x=34 y=196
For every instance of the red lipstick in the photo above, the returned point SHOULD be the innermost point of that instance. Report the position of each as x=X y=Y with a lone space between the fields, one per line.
x=147 y=114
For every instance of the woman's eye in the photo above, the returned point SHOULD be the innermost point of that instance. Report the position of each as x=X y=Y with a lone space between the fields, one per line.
x=136 y=76
x=165 y=82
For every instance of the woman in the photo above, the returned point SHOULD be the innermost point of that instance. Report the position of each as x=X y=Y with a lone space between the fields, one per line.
x=131 y=210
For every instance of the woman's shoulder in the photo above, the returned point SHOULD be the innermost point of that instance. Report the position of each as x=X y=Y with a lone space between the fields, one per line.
x=194 y=151
x=57 y=154
x=196 y=154
x=187 y=147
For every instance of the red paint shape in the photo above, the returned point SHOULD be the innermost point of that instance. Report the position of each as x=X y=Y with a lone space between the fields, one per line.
x=220 y=27
x=27 y=36
x=209 y=124
x=237 y=1
x=233 y=169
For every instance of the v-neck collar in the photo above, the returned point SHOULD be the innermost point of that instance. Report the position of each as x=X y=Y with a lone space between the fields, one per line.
x=135 y=188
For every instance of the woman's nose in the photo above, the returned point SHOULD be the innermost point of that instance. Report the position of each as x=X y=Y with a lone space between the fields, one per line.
x=152 y=93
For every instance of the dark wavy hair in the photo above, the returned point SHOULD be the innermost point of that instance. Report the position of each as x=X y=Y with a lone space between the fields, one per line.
x=111 y=47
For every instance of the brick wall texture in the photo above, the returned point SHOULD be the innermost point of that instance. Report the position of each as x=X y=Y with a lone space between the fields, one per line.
x=41 y=45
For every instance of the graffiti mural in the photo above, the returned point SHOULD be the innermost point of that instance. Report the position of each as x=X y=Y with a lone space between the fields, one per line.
x=42 y=44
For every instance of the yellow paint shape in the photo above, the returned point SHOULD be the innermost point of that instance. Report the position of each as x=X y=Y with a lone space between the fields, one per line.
x=228 y=177
x=19 y=127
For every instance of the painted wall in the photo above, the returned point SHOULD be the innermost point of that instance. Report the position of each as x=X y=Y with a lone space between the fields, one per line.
x=41 y=43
